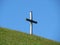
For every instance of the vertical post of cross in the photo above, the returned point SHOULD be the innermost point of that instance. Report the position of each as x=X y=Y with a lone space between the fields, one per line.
x=31 y=25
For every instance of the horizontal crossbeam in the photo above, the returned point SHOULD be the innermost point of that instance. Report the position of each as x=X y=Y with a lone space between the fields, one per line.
x=31 y=21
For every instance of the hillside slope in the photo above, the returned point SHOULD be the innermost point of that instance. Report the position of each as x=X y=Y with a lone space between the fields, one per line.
x=11 y=37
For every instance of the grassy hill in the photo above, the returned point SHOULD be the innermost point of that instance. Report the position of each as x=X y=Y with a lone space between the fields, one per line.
x=11 y=37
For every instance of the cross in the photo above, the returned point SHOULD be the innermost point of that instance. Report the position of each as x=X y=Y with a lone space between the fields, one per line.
x=31 y=22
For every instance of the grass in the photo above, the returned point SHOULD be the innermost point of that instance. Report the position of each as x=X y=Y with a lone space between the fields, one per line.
x=12 y=37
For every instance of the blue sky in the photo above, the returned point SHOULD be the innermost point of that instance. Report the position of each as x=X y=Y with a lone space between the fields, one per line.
x=46 y=12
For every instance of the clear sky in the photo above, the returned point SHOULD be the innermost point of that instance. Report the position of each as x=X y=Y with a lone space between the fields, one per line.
x=13 y=14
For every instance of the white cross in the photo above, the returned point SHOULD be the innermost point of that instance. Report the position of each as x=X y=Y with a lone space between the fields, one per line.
x=31 y=22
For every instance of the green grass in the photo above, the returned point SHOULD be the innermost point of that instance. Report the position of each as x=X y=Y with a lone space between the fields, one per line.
x=12 y=37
